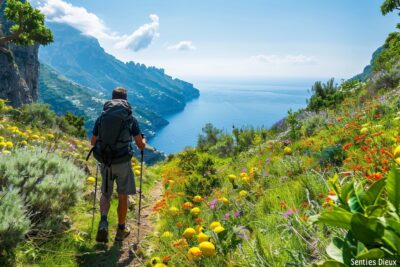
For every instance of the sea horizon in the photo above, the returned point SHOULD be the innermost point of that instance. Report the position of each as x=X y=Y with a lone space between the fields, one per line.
x=228 y=103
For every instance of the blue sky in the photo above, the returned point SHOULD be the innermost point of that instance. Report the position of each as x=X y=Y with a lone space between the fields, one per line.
x=234 y=39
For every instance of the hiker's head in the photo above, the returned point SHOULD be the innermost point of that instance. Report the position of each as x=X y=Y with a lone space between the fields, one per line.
x=120 y=93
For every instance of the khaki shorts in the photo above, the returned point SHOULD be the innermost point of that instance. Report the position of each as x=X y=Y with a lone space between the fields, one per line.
x=123 y=175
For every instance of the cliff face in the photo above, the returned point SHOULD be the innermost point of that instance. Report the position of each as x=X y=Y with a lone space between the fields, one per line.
x=19 y=71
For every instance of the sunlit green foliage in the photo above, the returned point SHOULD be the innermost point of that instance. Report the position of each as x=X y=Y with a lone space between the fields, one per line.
x=28 y=27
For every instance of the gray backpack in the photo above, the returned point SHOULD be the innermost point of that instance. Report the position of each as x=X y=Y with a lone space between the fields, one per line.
x=113 y=144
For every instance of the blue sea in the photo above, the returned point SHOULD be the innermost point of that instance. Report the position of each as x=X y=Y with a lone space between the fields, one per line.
x=224 y=104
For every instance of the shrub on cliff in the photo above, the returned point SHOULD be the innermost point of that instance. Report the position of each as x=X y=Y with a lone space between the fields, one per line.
x=14 y=224
x=41 y=188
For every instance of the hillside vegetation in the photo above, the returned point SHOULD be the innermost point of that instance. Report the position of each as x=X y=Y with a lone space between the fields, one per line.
x=320 y=189
x=324 y=190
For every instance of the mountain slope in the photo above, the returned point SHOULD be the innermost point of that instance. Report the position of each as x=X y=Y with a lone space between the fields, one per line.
x=63 y=96
x=81 y=59
x=366 y=74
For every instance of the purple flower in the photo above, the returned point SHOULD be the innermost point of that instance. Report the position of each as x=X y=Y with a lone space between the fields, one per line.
x=227 y=215
x=287 y=213
x=214 y=201
x=265 y=173
x=237 y=214
x=244 y=169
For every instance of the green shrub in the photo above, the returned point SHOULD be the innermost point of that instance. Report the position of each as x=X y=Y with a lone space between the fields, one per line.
x=188 y=160
x=71 y=124
x=209 y=137
x=14 y=224
x=47 y=187
x=294 y=124
x=333 y=155
x=41 y=116
x=225 y=146
x=390 y=55
x=37 y=115
x=325 y=95
x=203 y=179
x=311 y=124
x=368 y=215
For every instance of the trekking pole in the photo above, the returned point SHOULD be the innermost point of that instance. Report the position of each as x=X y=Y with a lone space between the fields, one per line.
x=94 y=199
x=140 y=195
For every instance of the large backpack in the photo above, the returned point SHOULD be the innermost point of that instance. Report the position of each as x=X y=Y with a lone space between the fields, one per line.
x=113 y=144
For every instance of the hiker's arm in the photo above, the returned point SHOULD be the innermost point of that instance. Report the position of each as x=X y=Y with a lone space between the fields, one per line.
x=93 y=141
x=140 y=141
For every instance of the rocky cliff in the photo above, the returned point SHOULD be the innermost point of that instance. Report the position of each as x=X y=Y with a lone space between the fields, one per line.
x=19 y=70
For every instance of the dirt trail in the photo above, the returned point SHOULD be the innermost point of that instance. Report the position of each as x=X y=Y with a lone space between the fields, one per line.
x=146 y=227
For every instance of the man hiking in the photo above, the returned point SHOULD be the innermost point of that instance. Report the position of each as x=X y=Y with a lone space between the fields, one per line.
x=112 y=147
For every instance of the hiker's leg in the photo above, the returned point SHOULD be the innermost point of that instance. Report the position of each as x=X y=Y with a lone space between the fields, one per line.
x=104 y=205
x=122 y=208
x=125 y=187
x=106 y=191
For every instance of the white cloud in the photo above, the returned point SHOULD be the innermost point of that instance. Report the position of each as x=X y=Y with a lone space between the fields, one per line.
x=182 y=46
x=142 y=37
x=90 y=24
x=288 y=59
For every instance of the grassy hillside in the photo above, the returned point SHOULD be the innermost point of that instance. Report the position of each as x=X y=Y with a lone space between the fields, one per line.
x=323 y=190
x=47 y=189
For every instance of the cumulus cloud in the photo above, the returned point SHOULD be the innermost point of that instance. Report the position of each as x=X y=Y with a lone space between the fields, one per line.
x=288 y=59
x=142 y=37
x=90 y=24
x=182 y=46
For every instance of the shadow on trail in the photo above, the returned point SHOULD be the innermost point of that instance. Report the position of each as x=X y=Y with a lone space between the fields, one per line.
x=106 y=256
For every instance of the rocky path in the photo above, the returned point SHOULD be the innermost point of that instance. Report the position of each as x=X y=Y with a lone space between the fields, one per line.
x=146 y=228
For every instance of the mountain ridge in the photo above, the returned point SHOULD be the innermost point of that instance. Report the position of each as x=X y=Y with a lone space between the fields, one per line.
x=82 y=60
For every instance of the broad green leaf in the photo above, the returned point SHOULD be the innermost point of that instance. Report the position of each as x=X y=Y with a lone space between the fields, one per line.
x=392 y=240
x=361 y=195
x=354 y=203
x=393 y=188
x=366 y=230
x=375 y=211
x=372 y=254
x=334 y=184
x=375 y=191
x=361 y=248
x=394 y=225
x=334 y=249
x=349 y=248
x=344 y=194
x=337 y=217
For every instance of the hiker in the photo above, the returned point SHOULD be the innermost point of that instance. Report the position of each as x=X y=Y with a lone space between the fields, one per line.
x=113 y=148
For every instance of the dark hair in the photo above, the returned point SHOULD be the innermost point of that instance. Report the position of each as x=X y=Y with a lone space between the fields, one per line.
x=119 y=93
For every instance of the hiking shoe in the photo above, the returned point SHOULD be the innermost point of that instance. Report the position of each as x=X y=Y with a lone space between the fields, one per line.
x=102 y=232
x=122 y=234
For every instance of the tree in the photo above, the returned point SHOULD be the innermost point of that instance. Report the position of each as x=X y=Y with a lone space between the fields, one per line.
x=389 y=6
x=209 y=137
x=325 y=95
x=28 y=24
